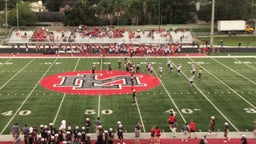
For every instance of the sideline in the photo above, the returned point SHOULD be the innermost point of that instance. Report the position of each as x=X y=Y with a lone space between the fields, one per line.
x=165 y=135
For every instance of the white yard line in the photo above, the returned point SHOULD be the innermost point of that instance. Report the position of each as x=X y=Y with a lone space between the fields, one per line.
x=227 y=87
x=245 y=64
x=235 y=71
x=99 y=100
x=63 y=98
x=5 y=62
x=171 y=99
x=16 y=74
x=141 y=120
x=98 y=115
x=28 y=96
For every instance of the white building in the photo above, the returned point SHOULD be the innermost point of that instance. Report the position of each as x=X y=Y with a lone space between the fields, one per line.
x=38 y=7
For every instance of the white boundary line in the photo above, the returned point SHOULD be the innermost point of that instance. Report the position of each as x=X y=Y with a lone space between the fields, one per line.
x=26 y=99
x=63 y=98
x=16 y=74
x=234 y=71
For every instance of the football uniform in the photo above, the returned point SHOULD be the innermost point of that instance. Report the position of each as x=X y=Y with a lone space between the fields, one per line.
x=119 y=64
x=179 y=69
x=93 y=69
x=137 y=68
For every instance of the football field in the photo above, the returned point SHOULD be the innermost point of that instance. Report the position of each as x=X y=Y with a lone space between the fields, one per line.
x=30 y=95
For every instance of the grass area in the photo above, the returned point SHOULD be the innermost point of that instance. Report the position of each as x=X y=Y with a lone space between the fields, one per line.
x=245 y=40
x=226 y=90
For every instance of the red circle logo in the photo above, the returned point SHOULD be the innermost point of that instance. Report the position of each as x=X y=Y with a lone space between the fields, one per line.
x=101 y=83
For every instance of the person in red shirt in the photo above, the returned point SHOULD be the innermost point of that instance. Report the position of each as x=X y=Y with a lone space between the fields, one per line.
x=152 y=135
x=192 y=129
x=158 y=134
x=171 y=120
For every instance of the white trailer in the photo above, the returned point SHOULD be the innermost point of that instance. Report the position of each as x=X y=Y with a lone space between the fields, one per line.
x=231 y=25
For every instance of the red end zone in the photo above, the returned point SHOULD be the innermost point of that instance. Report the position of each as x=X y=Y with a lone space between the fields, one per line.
x=101 y=83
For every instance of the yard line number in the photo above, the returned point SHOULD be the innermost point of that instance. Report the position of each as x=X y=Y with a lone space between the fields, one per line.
x=87 y=112
x=109 y=111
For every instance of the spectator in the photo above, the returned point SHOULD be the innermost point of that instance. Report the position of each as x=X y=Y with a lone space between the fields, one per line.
x=254 y=129
x=158 y=135
x=120 y=133
x=226 y=131
x=212 y=125
x=15 y=130
x=25 y=133
x=137 y=133
x=174 y=128
x=203 y=140
x=17 y=140
x=98 y=125
x=192 y=129
x=185 y=130
x=152 y=135
x=244 y=139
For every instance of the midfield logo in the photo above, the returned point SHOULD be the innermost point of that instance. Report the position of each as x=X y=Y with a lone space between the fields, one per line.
x=101 y=83
x=91 y=81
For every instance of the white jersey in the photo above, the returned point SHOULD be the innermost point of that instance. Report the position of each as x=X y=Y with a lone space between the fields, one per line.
x=179 y=68
x=160 y=69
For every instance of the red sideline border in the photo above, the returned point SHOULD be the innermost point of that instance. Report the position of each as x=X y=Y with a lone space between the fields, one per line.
x=93 y=55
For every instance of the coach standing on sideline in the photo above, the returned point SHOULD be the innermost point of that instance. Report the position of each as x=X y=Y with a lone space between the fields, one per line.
x=15 y=130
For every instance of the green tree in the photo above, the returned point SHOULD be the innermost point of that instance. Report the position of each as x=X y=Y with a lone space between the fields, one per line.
x=52 y=5
x=82 y=13
x=232 y=9
x=25 y=15
x=226 y=10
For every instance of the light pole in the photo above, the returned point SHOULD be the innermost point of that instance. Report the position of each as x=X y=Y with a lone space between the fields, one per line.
x=212 y=25
x=17 y=15
x=159 y=14
x=6 y=15
x=252 y=10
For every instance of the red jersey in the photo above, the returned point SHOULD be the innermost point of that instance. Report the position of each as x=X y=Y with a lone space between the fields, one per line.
x=158 y=132
x=192 y=126
x=153 y=132
x=171 y=118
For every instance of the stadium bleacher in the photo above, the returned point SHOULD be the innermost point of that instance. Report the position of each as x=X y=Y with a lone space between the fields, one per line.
x=135 y=37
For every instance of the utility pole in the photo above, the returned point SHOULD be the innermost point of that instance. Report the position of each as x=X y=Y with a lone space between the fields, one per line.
x=252 y=10
x=6 y=15
x=159 y=14
x=17 y=7
x=212 y=25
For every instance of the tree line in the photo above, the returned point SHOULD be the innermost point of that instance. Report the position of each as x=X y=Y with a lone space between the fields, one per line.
x=134 y=12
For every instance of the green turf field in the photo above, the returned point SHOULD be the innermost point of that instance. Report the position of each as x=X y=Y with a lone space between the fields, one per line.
x=227 y=90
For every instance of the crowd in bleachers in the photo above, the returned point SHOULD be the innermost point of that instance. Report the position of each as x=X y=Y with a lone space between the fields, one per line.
x=84 y=34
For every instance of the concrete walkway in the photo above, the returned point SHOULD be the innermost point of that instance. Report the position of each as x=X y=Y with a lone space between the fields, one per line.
x=165 y=135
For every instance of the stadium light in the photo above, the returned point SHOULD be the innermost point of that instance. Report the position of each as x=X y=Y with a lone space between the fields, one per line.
x=212 y=24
